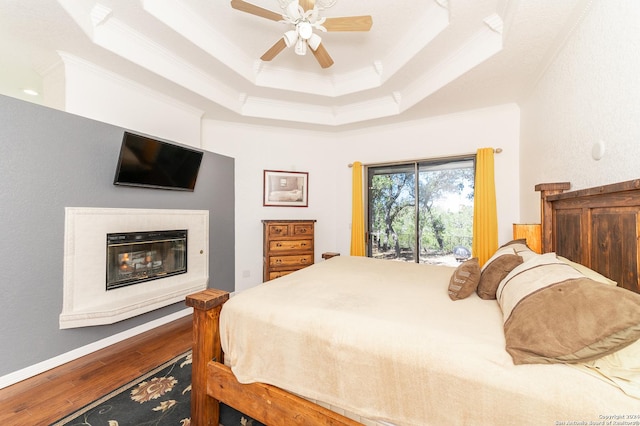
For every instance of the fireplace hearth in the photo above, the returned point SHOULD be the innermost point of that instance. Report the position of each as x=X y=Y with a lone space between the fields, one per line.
x=136 y=257
x=132 y=249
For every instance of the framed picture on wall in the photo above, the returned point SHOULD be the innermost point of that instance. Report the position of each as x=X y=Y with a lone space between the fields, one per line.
x=285 y=189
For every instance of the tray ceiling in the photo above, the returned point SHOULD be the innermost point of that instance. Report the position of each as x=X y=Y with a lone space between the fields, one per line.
x=420 y=58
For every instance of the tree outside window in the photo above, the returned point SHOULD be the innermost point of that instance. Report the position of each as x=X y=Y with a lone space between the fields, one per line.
x=421 y=211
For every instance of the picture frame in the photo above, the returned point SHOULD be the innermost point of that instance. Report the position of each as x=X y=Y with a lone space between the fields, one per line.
x=285 y=189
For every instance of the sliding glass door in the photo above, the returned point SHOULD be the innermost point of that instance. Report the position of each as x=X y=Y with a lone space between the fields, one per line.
x=421 y=211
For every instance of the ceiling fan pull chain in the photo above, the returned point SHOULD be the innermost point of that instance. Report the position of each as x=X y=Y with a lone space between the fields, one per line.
x=301 y=47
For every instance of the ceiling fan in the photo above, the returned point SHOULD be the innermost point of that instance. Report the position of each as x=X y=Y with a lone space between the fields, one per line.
x=302 y=15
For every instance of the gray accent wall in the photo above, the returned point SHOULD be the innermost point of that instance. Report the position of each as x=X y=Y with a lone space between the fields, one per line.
x=50 y=160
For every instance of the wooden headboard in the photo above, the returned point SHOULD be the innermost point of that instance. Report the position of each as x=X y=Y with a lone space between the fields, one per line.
x=597 y=227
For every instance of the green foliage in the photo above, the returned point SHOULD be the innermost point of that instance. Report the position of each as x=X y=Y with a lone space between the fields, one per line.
x=442 y=224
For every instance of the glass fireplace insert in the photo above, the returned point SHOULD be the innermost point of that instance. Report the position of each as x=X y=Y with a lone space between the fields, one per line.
x=136 y=257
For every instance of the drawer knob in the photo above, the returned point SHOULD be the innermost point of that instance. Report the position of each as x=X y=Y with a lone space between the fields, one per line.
x=278 y=244
x=303 y=260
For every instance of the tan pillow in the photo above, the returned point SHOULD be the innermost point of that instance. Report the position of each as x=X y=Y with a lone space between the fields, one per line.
x=553 y=314
x=464 y=280
x=518 y=241
x=495 y=272
x=588 y=272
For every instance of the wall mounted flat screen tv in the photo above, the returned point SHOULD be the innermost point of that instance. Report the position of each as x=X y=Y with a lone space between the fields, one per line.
x=151 y=163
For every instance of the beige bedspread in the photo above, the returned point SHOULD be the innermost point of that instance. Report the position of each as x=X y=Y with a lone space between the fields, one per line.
x=383 y=339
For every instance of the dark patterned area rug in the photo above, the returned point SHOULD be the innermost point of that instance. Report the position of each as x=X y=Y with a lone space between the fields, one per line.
x=160 y=397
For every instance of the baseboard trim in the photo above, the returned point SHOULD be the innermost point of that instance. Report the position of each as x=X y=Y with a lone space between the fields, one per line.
x=41 y=367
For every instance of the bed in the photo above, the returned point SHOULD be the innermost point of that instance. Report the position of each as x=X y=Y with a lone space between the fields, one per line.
x=404 y=344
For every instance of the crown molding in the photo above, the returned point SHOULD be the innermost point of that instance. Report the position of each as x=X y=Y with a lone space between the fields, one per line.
x=434 y=21
x=117 y=37
x=185 y=22
x=99 y=14
x=481 y=46
x=495 y=23
x=68 y=60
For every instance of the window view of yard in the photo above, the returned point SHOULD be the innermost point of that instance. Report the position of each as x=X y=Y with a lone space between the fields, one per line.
x=422 y=211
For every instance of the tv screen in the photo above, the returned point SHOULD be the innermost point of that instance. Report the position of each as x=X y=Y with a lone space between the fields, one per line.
x=151 y=163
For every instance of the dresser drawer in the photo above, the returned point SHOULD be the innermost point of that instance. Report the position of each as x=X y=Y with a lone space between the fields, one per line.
x=284 y=245
x=278 y=274
x=300 y=229
x=290 y=261
x=277 y=230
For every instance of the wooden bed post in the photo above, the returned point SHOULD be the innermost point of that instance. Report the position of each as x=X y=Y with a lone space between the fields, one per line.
x=205 y=411
x=213 y=382
x=546 y=215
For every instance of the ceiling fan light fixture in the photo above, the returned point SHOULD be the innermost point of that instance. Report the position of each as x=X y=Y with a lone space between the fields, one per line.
x=314 y=41
x=290 y=38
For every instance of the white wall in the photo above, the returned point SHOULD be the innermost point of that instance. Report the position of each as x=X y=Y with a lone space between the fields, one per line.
x=96 y=93
x=256 y=149
x=93 y=92
x=326 y=157
x=590 y=93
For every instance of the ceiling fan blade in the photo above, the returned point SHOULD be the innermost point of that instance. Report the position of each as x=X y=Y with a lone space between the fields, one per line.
x=274 y=50
x=322 y=56
x=349 y=23
x=307 y=4
x=255 y=10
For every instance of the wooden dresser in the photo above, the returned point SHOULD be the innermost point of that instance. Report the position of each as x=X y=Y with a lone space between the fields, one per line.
x=288 y=246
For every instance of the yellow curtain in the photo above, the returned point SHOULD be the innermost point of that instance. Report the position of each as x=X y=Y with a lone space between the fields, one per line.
x=485 y=216
x=357 y=214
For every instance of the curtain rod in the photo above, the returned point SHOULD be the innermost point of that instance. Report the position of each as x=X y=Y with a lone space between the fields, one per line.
x=496 y=150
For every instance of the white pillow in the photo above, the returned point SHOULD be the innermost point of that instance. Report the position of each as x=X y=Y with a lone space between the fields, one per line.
x=587 y=272
x=529 y=277
x=521 y=248
x=554 y=314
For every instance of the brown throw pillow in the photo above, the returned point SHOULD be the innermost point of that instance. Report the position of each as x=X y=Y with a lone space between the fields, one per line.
x=495 y=272
x=464 y=280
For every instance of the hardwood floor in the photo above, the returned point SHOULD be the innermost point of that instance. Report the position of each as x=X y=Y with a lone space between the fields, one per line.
x=45 y=398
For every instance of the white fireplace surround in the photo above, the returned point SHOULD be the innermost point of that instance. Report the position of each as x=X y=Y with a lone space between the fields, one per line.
x=86 y=302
